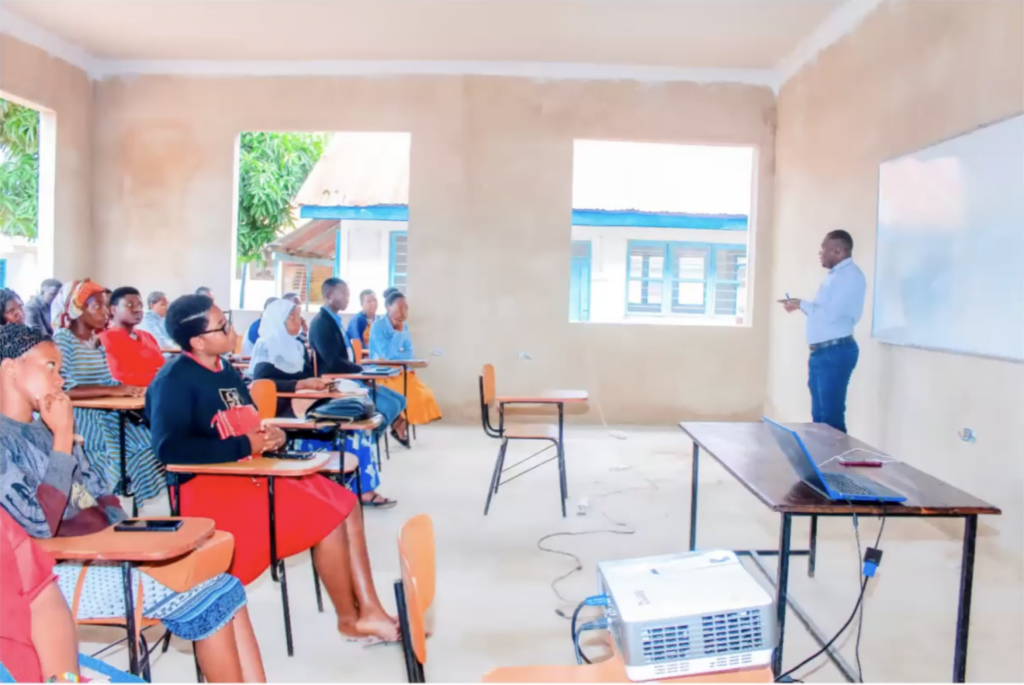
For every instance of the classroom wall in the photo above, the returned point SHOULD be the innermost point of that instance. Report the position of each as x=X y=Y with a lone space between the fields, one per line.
x=914 y=73
x=490 y=212
x=30 y=74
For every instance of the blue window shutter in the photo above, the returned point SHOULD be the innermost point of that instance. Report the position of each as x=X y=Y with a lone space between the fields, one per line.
x=398 y=261
x=579 y=284
x=3 y=273
x=730 y=279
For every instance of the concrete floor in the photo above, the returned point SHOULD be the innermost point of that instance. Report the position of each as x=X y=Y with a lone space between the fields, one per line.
x=495 y=605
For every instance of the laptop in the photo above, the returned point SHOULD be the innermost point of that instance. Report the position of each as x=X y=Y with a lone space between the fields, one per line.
x=839 y=487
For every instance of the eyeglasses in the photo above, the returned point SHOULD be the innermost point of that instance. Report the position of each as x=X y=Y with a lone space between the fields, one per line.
x=223 y=329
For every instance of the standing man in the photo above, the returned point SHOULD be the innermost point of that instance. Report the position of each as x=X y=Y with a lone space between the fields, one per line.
x=37 y=311
x=831 y=316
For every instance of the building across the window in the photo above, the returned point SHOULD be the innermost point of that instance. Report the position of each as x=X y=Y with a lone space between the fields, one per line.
x=680 y=279
x=398 y=260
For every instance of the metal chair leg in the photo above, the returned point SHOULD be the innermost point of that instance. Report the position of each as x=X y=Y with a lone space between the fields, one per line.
x=167 y=642
x=144 y=655
x=287 y=610
x=562 y=485
x=199 y=670
x=413 y=432
x=316 y=584
x=496 y=477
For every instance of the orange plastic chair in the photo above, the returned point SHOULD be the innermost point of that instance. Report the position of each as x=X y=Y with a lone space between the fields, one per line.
x=357 y=350
x=414 y=593
x=264 y=395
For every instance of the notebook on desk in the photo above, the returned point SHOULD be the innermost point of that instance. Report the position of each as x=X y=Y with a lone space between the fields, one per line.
x=838 y=487
x=382 y=371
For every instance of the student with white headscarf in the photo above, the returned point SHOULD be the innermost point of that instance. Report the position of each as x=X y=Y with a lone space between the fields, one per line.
x=280 y=356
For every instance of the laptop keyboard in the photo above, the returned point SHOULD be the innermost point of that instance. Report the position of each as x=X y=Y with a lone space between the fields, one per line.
x=846 y=485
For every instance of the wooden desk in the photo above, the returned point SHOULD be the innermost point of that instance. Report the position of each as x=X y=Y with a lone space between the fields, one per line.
x=128 y=549
x=286 y=424
x=367 y=377
x=748 y=451
x=560 y=398
x=121 y=405
x=271 y=469
x=612 y=671
x=318 y=395
x=407 y=363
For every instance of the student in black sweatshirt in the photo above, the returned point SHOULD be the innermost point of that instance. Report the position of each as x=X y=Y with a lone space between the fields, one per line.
x=201 y=413
x=333 y=352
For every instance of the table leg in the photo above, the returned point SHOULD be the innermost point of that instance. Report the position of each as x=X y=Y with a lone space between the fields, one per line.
x=279 y=566
x=781 y=585
x=963 y=614
x=409 y=428
x=126 y=480
x=563 y=480
x=129 y=617
x=813 y=547
x=693 y=496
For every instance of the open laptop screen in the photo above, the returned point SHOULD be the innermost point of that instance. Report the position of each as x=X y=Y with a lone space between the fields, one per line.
x=798 y=457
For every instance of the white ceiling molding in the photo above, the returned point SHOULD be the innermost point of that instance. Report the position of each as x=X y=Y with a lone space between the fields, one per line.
x=51 y=43
x=533 y=70
x=840 y=23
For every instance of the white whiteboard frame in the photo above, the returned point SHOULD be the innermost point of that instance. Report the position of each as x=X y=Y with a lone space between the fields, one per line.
x=874 y=279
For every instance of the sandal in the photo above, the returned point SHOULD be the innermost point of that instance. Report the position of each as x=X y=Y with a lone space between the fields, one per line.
x=404 y=442
x=379 y=501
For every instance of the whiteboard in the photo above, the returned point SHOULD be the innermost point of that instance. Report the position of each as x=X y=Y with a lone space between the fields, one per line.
x=949 y=261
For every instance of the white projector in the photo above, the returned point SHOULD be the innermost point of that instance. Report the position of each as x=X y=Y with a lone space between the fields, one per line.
x=682 y=614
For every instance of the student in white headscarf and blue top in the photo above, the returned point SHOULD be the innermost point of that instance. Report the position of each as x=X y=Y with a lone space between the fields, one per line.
x=280 y=356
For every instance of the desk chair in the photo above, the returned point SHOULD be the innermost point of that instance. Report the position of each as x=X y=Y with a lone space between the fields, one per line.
x=414 y=593
x=357 y=350
x=516 y=432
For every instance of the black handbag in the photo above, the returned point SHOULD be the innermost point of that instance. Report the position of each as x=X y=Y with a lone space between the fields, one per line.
x=345 y=409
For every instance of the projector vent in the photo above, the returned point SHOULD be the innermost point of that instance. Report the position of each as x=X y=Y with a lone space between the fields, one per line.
x=669 y=643
x=736 y=631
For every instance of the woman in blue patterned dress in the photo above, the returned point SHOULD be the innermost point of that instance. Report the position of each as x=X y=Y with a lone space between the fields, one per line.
x=80 y=313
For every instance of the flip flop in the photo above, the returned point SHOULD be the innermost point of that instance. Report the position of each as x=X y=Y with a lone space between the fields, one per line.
x=404 y=442
x=379 y=501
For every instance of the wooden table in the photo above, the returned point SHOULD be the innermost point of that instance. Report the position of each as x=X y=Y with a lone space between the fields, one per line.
x=612 y=671
x=560 y=398
x=271 y=469
x=121 y=405
x=318 y=395
x=128 y=549
x=748 y=451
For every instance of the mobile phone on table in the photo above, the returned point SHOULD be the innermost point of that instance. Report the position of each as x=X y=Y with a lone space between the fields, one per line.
x=301 y=456
x=148 y=526
x=871 y=462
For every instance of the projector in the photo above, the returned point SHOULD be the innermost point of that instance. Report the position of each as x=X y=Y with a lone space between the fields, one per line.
x=683 y=614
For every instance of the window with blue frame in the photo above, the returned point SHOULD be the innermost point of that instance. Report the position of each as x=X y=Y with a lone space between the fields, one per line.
x=3 y=273
x=579 y=285
x=680 y=278
x=398 y=260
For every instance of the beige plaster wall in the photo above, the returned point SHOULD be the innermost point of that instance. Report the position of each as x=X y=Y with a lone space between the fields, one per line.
x=914 y=73
x=489 y=232
x=30 y=74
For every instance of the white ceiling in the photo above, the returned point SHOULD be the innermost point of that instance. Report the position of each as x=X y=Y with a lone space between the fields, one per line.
x=749 y=36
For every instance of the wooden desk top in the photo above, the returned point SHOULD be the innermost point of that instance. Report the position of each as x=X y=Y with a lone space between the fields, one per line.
x=612 y=671
x=359 y=376
x=257 y=466
x=749 y=452
x=408 y=363
x=324 y=424
x=320 y=395
x=546 y=397
x=111 y=403
x=108 y=545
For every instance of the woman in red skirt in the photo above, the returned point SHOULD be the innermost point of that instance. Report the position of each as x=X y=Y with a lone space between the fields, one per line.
x=200 y=412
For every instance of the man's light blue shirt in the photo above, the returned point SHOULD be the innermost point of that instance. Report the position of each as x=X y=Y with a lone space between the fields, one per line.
x=839 y=304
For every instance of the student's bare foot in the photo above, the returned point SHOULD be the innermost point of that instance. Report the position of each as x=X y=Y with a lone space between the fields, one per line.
x=349 y=629
x=380 y=626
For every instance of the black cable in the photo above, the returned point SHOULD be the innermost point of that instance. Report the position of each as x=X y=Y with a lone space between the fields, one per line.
x=579 y=563
x=860 y=620
x=581 y=658
x=853 y=614
x=575 y=635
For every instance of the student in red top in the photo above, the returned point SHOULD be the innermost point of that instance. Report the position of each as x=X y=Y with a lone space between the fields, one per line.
x=133 y=355
x=38 y=638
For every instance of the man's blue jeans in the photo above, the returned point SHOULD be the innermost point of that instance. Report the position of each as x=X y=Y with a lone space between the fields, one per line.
x=829 y=371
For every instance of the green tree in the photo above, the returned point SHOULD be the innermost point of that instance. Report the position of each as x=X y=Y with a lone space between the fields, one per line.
x=19 y=170
x=272 y=169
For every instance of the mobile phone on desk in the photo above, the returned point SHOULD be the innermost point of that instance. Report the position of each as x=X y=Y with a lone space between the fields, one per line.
x=301 y=456
x=151 y=526
x=870 y=462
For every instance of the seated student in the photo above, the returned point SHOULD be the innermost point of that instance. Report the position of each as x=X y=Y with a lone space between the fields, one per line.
x=50 y=489
x=195 y=396
x=297 y=300
x=334 y=355
x=37 y=311
x=204 y=291
x=280 y=357
x=359 y=326
x=390 y=339
x=253 y=334
x=12 y=309
x=153 y=320
x=82 y=315
x=133 y=355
